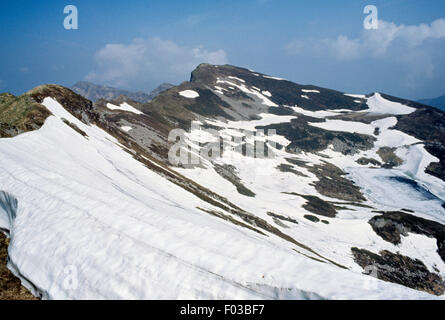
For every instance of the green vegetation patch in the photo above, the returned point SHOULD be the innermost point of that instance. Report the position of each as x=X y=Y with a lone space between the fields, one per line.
x=20 y=114
x=10 y=286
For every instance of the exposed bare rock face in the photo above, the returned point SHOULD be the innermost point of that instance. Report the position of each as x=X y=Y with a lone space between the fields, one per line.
x=391 y=226
x=80 y=107
x=400 y=269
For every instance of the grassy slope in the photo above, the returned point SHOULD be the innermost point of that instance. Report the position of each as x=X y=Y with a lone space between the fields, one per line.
x=10 y=286
x=20 y=114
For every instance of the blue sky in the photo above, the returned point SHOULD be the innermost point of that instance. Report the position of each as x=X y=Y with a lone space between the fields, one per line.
x=137 y=44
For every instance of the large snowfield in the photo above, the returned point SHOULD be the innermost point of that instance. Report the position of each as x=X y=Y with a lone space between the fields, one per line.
x=94 y=223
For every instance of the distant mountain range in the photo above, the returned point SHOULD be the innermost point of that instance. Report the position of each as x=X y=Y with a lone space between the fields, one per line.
x=435 y=102
x=96 y=92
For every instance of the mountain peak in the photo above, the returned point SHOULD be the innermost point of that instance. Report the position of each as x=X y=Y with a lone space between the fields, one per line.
x=54 y=91
x=209 y=72
x=161 y=88
x=76 y=104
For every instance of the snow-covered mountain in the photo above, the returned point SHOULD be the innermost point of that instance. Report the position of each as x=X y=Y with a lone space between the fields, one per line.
x=286 y=191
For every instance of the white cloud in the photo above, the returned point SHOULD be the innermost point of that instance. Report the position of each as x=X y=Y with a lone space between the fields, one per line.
x=147 y=62
x=372 y=43
x=405 y=57
x=343 y=47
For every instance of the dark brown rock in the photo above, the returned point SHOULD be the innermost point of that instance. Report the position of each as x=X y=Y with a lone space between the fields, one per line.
x=399 y=269
x=391 y=226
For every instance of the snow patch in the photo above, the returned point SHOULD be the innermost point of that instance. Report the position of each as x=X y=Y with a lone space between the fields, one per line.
x=378 y=104
x=274 y=78
x=235 y=78
x=319 y=114
x=361 y=96
x=124 y=107
x=126 y=128
x=190 y=94
x=243 y=88
x=345 y=126
x=220 y=90
x=250 y=125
